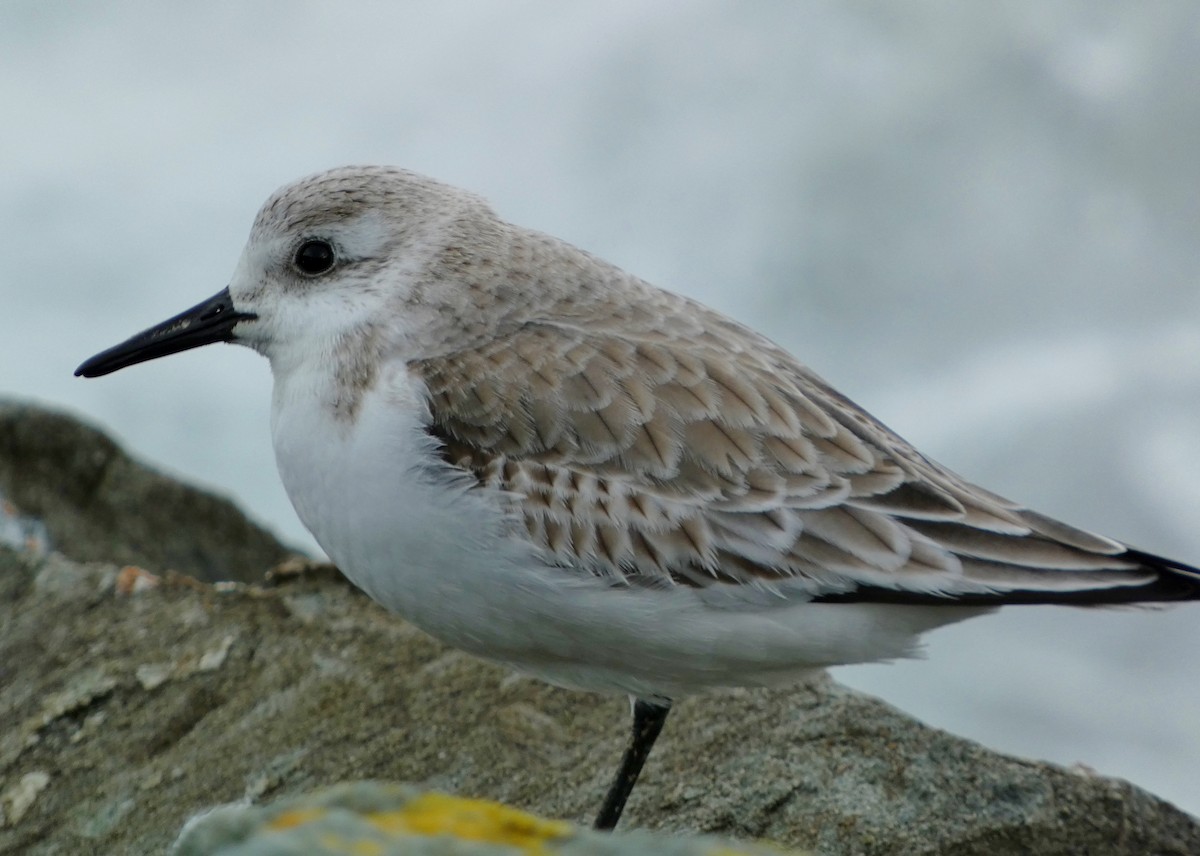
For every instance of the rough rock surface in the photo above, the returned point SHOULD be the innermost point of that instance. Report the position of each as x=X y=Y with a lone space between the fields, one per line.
x=131 y=703
x=98 y=504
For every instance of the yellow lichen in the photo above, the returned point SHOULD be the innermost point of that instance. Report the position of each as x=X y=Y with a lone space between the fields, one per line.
x=472 y=820
x=296 y=817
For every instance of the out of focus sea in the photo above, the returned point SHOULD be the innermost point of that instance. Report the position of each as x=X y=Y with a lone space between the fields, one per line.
x=980 y=221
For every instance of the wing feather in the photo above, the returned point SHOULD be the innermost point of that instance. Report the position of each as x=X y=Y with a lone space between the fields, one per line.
x=656 y=451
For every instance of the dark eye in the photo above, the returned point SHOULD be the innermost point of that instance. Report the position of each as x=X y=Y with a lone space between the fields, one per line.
x=315 y=257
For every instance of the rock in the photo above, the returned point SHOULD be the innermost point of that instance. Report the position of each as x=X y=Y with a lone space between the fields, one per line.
x=98 y=504
x=143 y=705
x=17 y=799
x=398 y=820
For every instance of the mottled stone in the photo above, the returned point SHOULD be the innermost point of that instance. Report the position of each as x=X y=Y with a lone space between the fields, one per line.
x=98 y=504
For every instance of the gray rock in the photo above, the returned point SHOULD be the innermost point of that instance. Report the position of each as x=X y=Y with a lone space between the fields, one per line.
x=98 y=504
x=127 y=713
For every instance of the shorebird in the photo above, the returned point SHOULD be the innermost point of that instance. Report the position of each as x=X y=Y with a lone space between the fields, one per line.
x=547 y=462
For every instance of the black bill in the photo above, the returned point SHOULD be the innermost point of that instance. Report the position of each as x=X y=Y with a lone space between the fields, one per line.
x=205 y=323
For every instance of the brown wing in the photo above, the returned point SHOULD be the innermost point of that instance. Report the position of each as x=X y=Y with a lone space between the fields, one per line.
x=696 y=451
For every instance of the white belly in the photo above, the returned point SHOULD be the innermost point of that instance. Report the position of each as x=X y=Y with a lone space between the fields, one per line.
x=428 y=546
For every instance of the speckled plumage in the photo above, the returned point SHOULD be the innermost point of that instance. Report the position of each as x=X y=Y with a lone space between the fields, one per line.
x=665 y=442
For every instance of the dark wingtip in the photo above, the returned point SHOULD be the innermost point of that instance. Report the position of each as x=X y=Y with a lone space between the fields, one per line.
x=1175 y=575
x=1173 y=582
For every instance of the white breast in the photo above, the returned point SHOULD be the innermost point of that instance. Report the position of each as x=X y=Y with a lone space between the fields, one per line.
x=418 y=539
x=376 y=498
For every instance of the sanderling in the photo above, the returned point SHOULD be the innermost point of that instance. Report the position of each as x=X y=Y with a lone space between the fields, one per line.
x=547 y=462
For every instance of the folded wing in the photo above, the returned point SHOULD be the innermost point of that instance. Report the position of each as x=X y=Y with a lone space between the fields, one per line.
x=680 y=448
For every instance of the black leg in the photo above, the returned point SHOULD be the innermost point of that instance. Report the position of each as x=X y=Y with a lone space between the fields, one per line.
x=648 y=719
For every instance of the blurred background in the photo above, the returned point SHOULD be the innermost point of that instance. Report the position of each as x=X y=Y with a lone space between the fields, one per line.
x=980 y=221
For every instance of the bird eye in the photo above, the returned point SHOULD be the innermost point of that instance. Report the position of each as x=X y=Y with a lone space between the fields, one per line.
x=315 y=257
